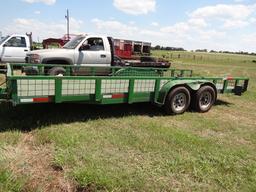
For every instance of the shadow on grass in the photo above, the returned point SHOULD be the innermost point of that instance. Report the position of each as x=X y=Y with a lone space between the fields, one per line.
x=220 y=102
x=29 y=117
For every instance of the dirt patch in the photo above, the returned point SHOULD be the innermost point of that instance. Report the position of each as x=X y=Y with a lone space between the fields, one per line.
x=35 y=164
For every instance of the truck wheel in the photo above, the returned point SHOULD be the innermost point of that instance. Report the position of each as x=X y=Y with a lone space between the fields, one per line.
x=204 y=99
x=177 y=101
x=57 y=71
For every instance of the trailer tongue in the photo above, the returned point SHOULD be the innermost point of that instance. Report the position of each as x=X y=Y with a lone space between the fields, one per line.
x=176 y=90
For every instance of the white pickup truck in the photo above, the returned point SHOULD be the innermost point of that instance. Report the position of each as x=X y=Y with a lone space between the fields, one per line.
x=13 y=48
x=84 y=50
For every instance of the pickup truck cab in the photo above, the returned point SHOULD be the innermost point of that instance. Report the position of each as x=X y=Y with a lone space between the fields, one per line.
x=13 y=48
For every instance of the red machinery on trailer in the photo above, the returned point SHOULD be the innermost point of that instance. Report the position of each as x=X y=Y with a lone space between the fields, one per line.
x=128 y=49
x=60 y=42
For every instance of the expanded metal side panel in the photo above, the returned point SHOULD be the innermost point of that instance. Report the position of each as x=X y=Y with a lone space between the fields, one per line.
x=114 y=86
x=231 y=84
x=219 y=84
x=141 y=86
x=78 y=87
x=35 y=88
x=227 y=84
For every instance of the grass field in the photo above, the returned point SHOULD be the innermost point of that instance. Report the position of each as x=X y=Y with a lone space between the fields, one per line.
x=76 y=147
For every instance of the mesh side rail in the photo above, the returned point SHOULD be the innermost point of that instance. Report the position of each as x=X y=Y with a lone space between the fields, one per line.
x=76 y=70
x=234 y=85
x=77 y=87
x=153 y=72
x=82 y=88
x=32 y=87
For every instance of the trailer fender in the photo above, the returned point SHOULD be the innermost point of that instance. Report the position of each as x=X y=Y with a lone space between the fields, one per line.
x=192 y=85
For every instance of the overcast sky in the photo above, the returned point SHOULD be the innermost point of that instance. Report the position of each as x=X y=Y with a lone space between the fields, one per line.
x=211 y=24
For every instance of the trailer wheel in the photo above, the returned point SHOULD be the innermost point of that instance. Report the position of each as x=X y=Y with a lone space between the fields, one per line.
x=204 y=99
x=177 y=101
x=57 y=71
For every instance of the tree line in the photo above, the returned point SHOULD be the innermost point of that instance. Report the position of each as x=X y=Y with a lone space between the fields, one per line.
x=158 y=47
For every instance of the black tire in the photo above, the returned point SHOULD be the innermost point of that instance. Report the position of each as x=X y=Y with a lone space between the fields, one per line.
x=55 y=71
x=177 y=101
x=205 y=97
x=30 y=70
x=148 y=59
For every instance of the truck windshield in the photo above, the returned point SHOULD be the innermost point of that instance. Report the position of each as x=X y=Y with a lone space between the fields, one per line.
x=73 y=43
x=3 y=39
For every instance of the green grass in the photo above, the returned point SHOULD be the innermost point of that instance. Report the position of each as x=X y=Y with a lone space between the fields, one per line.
x=136 y=147
x=122 y=154
x=9 y=182
x=207 y=58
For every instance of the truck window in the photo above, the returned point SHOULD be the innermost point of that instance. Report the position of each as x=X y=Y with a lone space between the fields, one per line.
x=96 y=44
x=73 y=43
x=3 y=39
x=16 y=42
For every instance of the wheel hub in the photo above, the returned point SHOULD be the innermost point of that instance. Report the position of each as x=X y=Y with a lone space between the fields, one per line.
x=179 y=101
x=205 y=100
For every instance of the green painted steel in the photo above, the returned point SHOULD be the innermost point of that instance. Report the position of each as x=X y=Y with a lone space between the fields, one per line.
x=156 y=91
x=58 y=90
x=120 y=85
x=192 y=84
x=131 y=91
x=86 y=98
x=98 y=96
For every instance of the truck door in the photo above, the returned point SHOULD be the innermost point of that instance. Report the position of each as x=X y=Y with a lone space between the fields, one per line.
x=14 y=50
x=93 y=53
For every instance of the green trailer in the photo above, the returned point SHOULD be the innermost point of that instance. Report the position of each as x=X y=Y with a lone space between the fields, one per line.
x=173 y=89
